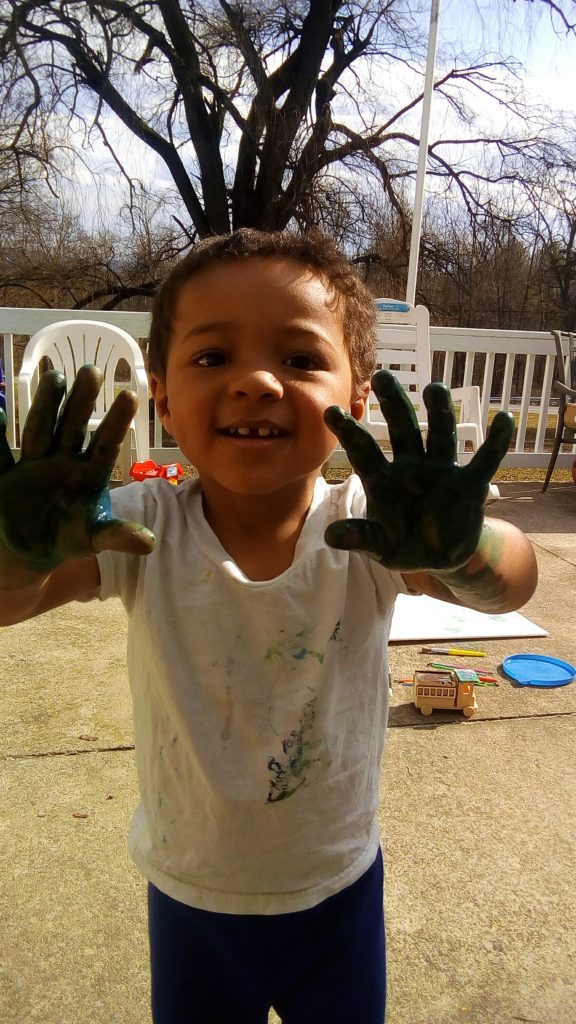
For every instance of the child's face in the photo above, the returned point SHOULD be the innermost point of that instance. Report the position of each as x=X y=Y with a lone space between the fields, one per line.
x=257 y=354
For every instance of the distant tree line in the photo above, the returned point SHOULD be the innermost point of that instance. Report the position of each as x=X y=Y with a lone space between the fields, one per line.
x=487 y=275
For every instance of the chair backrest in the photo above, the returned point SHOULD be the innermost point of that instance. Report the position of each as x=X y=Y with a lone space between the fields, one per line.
x=571 y=381
x=560 y=357
x=69 y=344
x=402 y=346
x=566 y=381
x=565 y=360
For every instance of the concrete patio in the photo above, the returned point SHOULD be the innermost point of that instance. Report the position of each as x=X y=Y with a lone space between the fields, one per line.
x=478 y=821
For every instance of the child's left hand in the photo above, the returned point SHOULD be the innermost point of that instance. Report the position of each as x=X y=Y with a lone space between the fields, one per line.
x=424 y=511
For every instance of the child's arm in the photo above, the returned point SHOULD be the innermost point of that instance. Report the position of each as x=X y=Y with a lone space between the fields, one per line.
x=54 y=503
x=500 y=577
x=425 y=513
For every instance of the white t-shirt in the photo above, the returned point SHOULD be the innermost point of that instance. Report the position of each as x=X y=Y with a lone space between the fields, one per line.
x=260 y=708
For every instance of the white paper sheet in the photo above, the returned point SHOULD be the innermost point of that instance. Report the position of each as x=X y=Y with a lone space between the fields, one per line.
x=425 y=618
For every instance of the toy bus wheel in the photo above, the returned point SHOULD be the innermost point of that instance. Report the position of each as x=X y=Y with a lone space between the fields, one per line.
x=426 y=709
x=468 y=712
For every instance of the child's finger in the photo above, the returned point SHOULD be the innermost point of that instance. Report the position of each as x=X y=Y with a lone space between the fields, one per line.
x=486 y=460
x=6 y=457
x=363 y=451
x=398 y=411
x=78 y=408
x=106 y=441
x=357 y=535
x=37 y=437
x=441 y=441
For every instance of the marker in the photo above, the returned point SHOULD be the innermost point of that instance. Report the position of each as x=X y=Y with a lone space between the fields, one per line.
x=453 y=668
x=453 y=651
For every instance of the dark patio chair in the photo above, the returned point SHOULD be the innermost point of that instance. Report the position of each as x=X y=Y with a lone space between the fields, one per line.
x=566 y=386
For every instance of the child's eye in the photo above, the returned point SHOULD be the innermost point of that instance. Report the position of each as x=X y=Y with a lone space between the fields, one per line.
x=211 y=358
x=302 y=362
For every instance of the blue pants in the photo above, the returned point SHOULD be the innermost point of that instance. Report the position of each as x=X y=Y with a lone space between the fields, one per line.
x=325 y=965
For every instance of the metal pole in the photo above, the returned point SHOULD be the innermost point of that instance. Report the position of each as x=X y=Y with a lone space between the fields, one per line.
x=422 y=153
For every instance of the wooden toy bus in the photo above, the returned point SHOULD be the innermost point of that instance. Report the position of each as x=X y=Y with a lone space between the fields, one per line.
x=446 y=688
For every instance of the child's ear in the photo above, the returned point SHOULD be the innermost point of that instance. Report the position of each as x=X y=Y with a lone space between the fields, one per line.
x=358 y=404
x=160 y=396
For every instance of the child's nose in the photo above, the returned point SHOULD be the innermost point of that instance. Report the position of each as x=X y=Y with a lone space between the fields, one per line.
x=257 y=383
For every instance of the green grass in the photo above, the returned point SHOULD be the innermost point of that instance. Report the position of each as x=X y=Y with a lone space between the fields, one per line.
x=509 y=474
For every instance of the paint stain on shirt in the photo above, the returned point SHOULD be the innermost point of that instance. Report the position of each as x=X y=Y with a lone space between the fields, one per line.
x=337 y=634
x=289 y=772
x=227 y=730
x=294 y=649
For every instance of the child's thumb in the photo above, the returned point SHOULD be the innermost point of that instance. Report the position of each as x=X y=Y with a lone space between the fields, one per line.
x=122 y=535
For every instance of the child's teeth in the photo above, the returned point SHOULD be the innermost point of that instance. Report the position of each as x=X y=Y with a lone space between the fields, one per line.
x=251 y=431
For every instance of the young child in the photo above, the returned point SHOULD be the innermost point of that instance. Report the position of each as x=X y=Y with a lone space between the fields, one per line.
x=259 y=620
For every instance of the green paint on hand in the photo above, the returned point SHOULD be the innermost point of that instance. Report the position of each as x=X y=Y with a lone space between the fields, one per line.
x=55 y=502
x=424 y=511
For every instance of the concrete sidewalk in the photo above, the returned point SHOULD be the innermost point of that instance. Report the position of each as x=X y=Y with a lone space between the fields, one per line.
x=478 y=822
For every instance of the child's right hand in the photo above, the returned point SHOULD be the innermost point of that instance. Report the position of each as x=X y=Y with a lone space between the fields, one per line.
x=54 y=502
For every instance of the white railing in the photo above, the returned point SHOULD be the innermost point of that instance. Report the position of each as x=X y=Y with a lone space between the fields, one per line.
x=514 y=369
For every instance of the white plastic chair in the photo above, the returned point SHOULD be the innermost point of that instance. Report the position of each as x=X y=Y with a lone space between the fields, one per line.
x=70 y=344
x=565 y=383
x=403 y=346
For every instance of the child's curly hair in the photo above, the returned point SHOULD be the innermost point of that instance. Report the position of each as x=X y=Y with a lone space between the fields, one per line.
x=312 y=249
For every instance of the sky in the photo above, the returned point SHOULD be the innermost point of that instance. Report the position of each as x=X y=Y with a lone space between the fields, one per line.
x=527 y=31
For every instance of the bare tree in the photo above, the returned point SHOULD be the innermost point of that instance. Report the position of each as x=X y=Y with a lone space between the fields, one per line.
x=264 y=113
x=49 y=258
x=28 y=154
x=556 y=263
x=247 y=105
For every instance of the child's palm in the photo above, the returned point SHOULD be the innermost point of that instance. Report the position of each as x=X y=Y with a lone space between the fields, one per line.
x=54 y=502
x=423 y=510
